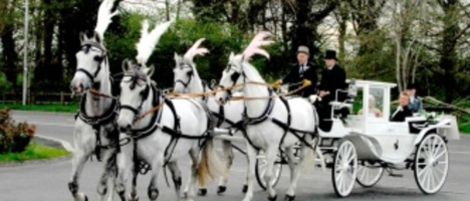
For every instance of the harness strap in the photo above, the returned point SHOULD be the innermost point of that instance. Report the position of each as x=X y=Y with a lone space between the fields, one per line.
x=289 y=119
x=264 y=115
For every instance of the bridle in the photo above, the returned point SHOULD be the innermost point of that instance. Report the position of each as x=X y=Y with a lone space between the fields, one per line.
x=144 y=94
x=270 y=105
x=190 y=75
x=234 y=77
x=99 y=59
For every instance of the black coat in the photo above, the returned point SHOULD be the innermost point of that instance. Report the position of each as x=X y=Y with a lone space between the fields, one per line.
x=401 y=115
x=295 y=77
x=331 y=81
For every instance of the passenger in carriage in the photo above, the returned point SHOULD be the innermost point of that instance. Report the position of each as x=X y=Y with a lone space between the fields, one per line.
x=416 y=102
x=402 y=110
x=373 y=111
x=303 y=72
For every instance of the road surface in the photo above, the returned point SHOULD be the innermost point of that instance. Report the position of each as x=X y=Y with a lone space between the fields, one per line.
x=48 y=181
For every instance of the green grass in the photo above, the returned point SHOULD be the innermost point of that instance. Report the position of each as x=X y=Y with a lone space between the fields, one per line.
x=34 y=151
x=44 y=108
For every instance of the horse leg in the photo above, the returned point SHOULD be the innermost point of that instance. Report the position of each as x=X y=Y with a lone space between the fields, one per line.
x=109 y=171
x=228 y=154
x=124 y=164
x=251 y=153
x=245 y=185
x=193 y=153
x=176 y=175
x=305 y=152
x=270 y=155
x=133 y=196
x=156 y=165
x=292 y=167
x=83 y=150
x=78 y=162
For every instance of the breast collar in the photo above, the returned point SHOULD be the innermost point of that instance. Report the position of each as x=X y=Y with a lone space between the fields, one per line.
x=264 y=115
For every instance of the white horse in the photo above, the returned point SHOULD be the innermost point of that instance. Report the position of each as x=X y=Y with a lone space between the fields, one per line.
x=271 y=122
x=95 y=129
x=176 y=128
x=187 y=80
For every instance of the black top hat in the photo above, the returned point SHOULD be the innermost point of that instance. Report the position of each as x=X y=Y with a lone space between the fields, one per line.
x=330 y=54
x=411 y=86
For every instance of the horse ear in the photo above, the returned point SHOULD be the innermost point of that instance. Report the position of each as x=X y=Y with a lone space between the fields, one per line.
x=231 y=56
x=83 y=37
x=177 y=58
x=125 y=65
x=150 y=70
x=97 y=37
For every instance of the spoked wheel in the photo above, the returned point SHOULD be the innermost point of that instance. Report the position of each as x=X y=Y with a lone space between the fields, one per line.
x=344 y=168
x=368 y=174
x=260 y=170
x=431 y=164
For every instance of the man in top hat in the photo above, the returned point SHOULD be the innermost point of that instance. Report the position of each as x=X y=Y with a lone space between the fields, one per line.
x=303 y=72
x=333 y=78
x=416 y=102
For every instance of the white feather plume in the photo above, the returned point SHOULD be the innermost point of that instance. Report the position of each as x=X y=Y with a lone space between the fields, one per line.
x=195 y=50
x=104 y=17
x=254 y=46
x=149 y=40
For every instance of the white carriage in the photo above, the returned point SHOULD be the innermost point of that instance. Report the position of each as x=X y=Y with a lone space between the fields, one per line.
x=364 y=146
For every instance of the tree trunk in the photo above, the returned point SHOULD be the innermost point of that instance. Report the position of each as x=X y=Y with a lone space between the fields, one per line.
x=10 y=56
x=448 y=52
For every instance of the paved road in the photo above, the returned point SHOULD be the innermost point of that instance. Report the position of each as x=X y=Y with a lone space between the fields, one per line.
x=47 y=181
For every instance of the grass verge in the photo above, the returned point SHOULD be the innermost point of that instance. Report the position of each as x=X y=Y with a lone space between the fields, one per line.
x=34 y=151
x=43 y=108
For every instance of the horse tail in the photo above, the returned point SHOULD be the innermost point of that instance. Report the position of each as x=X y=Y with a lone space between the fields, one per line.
x=210 y=166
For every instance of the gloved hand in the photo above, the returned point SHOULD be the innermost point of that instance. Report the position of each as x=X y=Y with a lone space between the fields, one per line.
x=277 y=84
x=306 y=83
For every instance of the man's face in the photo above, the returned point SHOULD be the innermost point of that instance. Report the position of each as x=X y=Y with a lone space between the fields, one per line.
x=403 y=100
x=302 y=58
x=411 y=92
x=330 y=62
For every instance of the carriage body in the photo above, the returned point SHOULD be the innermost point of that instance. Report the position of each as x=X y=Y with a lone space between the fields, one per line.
x=364 y=145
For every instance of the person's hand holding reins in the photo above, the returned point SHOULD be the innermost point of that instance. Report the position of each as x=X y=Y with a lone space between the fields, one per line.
x=277 y=84
x=306 y=83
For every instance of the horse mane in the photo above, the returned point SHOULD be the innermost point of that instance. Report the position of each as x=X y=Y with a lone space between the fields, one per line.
x=195 y=50
x=104 y=17
x=149 y=39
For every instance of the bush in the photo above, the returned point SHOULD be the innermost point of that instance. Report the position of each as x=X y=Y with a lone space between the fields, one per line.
x=14 y=137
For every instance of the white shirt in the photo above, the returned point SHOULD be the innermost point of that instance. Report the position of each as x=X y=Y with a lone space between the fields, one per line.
x=303 y=68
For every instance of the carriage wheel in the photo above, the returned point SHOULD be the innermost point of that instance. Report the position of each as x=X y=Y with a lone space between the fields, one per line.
x=368 y=175
x=431 y=164
x=261 y=170
x=344 y=168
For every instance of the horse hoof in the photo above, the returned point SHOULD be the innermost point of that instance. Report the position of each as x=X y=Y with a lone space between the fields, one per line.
x=185 y=195
x=245 y=188
x=81 y=197
x=272 y=198
x=289 y=198
x=202 y=192
x=221 y=189
x=136 y=198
